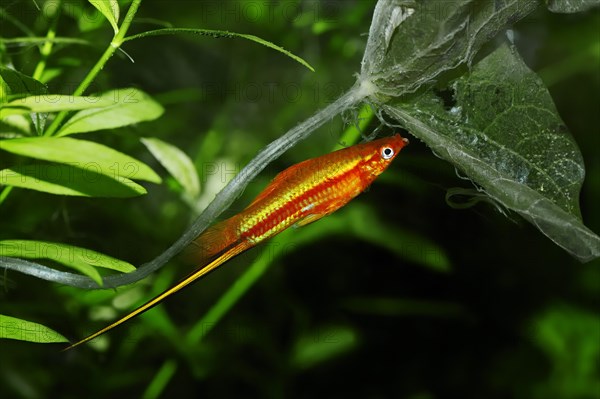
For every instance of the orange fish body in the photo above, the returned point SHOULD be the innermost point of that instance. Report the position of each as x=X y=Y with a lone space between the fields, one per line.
x=299 y=195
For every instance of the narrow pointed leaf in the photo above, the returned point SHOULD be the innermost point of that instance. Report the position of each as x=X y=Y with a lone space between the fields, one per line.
x=87 y=155
x=110 y=10
x=23 y=330
x=68 y=180
x=65 y=254
x=128 y=106
x=220 y=34
x=52 y=103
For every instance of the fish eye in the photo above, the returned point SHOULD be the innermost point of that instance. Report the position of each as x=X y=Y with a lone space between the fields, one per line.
x=387 y=152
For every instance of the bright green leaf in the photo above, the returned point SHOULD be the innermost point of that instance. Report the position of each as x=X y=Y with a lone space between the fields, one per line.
x=86 y=155
x=128 y=106
x=179 y=165
x=17 y=124
x=22 y=330
x=504 y=132
x=110 y=10
x=67 y=255
x=53 y=103
x=68 y=180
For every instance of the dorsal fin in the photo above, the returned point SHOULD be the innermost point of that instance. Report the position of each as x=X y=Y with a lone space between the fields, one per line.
x=278 y=180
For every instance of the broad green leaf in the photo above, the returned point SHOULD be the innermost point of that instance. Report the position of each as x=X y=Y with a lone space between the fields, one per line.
x=177 y=163
x=128 y=106
x=571 y=6
x=53 y=103
x=411 y=43
x=16 y=84
x=503 y=131
x=67 y=255
x=22 y=330
x=220 y=34
x=87 y=155
x=68 y=180
x=110 y=10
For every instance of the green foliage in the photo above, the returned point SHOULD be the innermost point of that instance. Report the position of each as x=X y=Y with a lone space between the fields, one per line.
x=22 y=330
x=177 y=163
x=81 y=259
x=110 y=10
x=503 y=131
x=124 y=107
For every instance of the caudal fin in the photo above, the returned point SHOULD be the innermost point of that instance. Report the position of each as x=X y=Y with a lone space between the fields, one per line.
x=224 y=257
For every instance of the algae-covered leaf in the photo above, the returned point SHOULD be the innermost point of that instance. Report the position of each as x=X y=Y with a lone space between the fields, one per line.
x=412 y=42
x=571 y=6
x=504 y=132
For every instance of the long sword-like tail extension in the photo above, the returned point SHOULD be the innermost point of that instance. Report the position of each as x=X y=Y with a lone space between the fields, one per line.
x=227 y=255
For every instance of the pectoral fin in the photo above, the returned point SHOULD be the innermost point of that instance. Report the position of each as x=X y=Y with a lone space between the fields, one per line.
x=308 y=219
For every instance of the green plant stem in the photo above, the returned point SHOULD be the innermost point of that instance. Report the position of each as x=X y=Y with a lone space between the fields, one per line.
x=115 y=44
x=47 y=47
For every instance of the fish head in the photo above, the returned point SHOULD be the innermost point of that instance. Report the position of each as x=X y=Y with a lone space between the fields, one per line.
x=379 y=154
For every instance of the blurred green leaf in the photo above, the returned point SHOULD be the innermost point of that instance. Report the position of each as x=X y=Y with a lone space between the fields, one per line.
x=87 y=155
x=110 y=10
x=68 y=180
x=321 y=345
x=160 y=380
x=128 y=106
x=570 y=337
x=177 y=163
x=22 y=330
x=14 y=126
x=503 y=131
x=360 y=221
